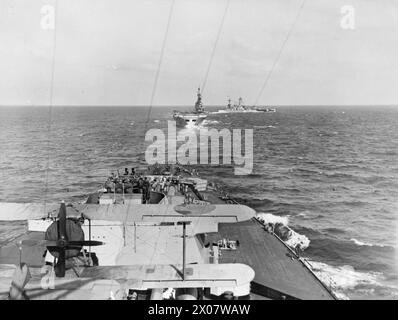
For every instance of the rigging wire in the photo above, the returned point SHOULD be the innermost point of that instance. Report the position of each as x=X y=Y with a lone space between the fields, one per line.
x=51 y=99
x=155 y=83
x=215 y=46
x=280 y=52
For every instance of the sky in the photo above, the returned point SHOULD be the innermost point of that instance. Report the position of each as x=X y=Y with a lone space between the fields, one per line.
x=107 y=52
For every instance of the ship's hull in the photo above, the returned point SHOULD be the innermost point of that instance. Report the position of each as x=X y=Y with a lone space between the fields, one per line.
x=265 y=109
x=189 y=119
x=236 y=111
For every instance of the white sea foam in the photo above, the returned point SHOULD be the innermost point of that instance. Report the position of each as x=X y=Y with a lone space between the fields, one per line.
x=294 y=239
x=263 y=127
x=343 y=278
x=268 y=218
x=298 y=239
x=368 y=244
x=210 y=122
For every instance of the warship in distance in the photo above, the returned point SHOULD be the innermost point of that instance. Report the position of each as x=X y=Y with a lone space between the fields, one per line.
x=236 y=108
x=193 y=118
x=241 y=108
x=162 y=233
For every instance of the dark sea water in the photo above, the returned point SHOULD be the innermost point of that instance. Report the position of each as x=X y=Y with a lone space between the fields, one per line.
x=332 y=171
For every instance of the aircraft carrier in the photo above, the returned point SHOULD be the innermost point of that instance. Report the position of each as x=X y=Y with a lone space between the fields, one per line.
x=191 y=118
x=177 y=235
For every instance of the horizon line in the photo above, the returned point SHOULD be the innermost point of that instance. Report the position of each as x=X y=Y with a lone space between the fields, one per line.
x=208 y=106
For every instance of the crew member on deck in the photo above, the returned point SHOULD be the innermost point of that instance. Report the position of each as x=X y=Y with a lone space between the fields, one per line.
x=126 y=171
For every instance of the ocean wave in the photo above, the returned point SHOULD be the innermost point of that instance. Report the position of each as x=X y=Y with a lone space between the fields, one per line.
x=306 y=171
x=306 y=215
x=343 y=277
x=297 y=239
x=282 y=230
x=210 y=122
x=367 y=244
x=254 y=176
x=339 y=250
x=264 y=127
x=340 y=175
x=353 y=203
x=268 y=218
x=254 y=202
x=333 y=230
x=345 y=281
x=302 y=215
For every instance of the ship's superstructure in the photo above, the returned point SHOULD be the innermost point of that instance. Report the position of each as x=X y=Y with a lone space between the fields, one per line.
x=236 y=107
x=194 y=118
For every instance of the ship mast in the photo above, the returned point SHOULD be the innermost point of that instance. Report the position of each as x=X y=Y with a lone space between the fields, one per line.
x=198 y=104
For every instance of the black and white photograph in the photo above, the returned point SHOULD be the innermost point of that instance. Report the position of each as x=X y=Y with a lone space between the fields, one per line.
x=219 y=151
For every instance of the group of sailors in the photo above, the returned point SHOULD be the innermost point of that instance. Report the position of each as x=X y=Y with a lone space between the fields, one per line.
x=171 y=169
x=133 y=182
x=128 y=183
x=164 y=185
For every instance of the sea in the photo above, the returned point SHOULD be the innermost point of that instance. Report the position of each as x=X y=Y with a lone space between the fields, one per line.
x=330 y=173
